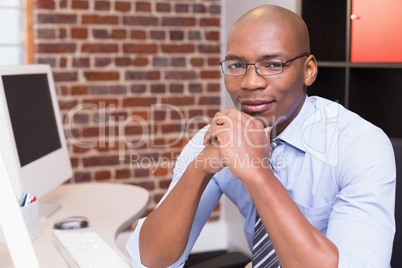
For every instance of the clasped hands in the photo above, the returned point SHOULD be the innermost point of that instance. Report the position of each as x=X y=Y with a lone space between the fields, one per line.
x=238 y=141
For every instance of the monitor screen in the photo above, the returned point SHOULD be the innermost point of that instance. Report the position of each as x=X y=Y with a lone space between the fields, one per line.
x=32 y=137
x=32 y=117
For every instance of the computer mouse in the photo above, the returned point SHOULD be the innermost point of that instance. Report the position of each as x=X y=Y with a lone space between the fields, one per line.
x=76 y=222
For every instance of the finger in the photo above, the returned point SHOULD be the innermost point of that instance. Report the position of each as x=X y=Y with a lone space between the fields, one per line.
x=207 y=136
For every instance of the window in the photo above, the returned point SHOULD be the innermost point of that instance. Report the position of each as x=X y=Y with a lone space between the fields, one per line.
x=12 y=43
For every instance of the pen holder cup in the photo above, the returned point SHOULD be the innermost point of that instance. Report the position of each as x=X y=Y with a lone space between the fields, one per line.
x=30 y=213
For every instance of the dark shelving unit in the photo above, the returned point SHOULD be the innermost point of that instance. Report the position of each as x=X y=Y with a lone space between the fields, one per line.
x=373 y=90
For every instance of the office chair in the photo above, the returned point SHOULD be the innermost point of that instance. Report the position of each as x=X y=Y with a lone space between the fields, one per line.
x=396 y=259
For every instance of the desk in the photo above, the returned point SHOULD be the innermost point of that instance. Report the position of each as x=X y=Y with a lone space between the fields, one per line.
x=110 y=208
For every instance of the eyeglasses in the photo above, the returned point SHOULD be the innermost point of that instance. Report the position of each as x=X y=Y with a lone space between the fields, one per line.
x=266 y=67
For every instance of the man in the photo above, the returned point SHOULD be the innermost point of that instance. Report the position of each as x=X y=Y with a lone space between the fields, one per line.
x=324 y=192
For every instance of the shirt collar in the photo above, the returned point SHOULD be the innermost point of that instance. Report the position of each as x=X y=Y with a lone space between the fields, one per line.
x=292 y=134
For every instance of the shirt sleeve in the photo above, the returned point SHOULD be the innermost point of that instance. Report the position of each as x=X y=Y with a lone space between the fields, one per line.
x=208 y=201
x=362 y=223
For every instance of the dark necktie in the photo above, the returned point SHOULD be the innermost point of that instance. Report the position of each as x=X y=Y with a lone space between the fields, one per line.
x=264 y=255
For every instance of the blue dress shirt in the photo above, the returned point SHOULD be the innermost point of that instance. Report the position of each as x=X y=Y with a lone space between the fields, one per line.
x=337 y=167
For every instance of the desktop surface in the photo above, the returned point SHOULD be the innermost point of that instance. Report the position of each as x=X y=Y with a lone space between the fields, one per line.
x=109 y=207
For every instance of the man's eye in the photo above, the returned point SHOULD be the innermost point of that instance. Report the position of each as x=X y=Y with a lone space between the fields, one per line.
x=272 y=65
x=236 y=65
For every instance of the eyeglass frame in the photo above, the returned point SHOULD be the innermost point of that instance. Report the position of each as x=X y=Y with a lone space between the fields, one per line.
x=257 y=69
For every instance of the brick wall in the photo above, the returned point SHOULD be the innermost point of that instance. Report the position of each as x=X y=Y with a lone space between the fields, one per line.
x=135 y=80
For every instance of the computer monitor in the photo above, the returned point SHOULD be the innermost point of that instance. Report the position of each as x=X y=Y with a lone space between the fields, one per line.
x=32 y=136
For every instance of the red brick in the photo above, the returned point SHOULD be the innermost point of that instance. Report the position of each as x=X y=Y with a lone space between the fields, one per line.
x=215 y=9
x=142 y=75
x=213 y=87
x=209 y=48
x=122 y=61
x=197 y=62
x=181 y=8
x=102 y=175
x=44 y=4
x=214 y=61
x=101 y=76
x=138 y=88
x=122 y=6
x=82 y=177
x=56 y=48
x=142 y=114
x=79 y=33
x=102 y=62
x=139 y=48
x=210 y=100
x=181 y=75
x=159 y=115
x=80 y=62
x=79 y=90
x=99 y=48
x=80 y=4
x=176 y=88
x=178 y=21
x=140 y=20
x=62 y=33
x=101 y=161
x=119 y=34
x=210 y=74
x=97 y=19
x=104 y=102
x=63 y=62
x=212 y=35
x=140 y=61
x=102 y=5
x=158 y=88
x=57 y=18
x=123 y=173
x=164 y=184
x=67 y=105
x=187 y=48
x=161 y=171
x=143 y=6
x=162 y=7
x=199 y=8
x=46 y=33
x=95 y=131
x=74 y=162
x=139 y=102
x=100 y=33
x=141 y=172
x=176 y=35
x=178 y=101
x=65 y=76
x=158 y=35
x=210 y=22
x=138 y=34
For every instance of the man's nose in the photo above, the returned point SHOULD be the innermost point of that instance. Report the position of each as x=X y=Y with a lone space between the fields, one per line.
x=252 y=80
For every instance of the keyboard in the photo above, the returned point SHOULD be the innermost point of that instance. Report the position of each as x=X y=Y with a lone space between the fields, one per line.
x=87 y=250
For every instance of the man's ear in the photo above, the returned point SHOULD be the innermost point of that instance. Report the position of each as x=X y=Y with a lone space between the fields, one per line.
x=310 y=70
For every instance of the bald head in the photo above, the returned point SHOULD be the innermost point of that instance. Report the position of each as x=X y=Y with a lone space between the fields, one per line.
x=268 y=15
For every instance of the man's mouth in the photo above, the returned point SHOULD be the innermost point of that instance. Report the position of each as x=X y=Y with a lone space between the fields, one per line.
x=256 y=106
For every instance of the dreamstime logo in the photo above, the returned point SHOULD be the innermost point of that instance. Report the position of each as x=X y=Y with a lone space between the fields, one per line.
x=214 y=162
x=112 y=129
x=321 y=140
